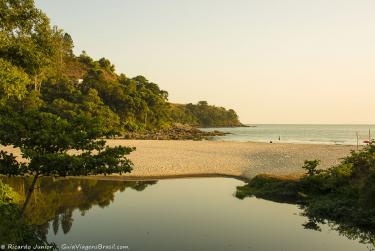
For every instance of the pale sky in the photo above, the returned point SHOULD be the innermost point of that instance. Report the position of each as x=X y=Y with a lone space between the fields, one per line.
x=272 y=61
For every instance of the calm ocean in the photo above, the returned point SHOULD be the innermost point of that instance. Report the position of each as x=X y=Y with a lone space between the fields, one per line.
x=311 y=134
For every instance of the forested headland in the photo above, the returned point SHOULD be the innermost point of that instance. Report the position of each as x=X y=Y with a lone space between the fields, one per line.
x=39 y=71
x=133 y=104
x=204 y=115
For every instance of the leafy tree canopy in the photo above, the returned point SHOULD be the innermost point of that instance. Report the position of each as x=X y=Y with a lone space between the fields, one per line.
x=204 y=115
x=57 y=125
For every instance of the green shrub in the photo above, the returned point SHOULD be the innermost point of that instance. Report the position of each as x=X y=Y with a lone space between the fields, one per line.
x=311 y=167
x=343 y=194
x=7 y=195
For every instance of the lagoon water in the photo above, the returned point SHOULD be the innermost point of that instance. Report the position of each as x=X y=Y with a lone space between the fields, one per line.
x=172 y=215
x=310 y=134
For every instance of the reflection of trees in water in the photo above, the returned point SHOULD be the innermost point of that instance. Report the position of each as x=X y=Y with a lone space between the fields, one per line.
x=314 y=222
x=14 y=231
x=66 y=219
x=55 y=200
x=350 y=231
x=366 y=236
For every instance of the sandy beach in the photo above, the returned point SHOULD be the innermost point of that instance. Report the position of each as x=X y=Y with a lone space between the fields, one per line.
x=240 y=159
x=161 y=159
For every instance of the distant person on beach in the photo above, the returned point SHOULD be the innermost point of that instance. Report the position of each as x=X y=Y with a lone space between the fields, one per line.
x=279 y=138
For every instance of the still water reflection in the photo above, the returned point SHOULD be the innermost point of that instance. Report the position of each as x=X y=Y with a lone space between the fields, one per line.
x=176 y=215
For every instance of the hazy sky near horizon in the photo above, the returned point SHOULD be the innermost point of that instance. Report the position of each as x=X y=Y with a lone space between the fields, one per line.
x=290 y=61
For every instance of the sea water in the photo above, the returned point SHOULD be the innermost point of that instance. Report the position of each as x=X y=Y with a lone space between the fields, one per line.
x=310 y=134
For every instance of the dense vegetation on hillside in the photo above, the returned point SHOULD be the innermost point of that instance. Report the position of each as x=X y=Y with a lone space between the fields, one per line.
x=132 y=104
x=343 y=194
x=204 y=115
x=38 y=59
x=136 y=103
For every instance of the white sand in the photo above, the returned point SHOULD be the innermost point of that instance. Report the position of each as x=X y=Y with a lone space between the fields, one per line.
x=208 y=158
x=168 y=158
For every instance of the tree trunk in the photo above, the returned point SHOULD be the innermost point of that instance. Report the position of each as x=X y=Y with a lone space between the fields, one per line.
x=29 y=192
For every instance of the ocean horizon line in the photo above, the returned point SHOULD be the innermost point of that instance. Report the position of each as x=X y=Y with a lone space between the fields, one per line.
x=318 y=124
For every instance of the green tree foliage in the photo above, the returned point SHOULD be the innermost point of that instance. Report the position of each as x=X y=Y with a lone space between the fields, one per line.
x=204 y=115
x=45 y=139
x=346 y=191
x=63 y=98
x=7 y=195
x=50 y=121
x=311 y=167
x=13 y=81
x=140 y=104
x=181 y=114
x=27 y=40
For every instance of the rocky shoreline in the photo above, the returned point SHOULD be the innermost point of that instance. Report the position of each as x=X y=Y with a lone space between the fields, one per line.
x=176 y=132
